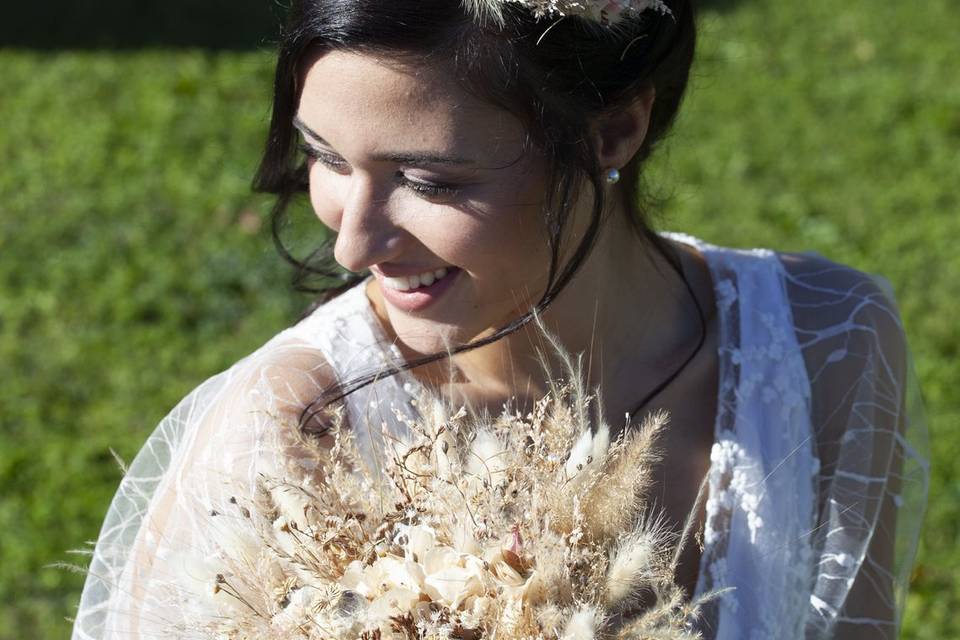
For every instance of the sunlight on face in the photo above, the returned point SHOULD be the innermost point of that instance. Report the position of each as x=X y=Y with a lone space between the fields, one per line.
x=415 y=175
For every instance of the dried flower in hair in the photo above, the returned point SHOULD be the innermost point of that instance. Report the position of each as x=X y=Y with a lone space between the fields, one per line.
x=601 y=11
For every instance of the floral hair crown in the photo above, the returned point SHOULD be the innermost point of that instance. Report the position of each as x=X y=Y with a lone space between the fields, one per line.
x=605 y=12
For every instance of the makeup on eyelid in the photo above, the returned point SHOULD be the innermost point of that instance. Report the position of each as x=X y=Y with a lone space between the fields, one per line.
x=426 y=188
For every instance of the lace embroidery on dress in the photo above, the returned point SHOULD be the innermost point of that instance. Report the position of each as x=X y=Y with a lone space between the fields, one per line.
x=348 y=333
x=754 y=538
x=820 y=456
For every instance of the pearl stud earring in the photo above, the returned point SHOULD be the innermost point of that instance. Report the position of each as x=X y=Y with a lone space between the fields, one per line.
x=613 y=176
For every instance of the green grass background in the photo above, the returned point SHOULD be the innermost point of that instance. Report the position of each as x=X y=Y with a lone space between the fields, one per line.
x=134 y=262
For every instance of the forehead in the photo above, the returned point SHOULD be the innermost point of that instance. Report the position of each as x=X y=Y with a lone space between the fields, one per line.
x=364 y=103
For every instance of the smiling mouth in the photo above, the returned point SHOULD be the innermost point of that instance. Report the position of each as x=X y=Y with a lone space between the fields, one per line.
x=414 y=293
x=414 y=282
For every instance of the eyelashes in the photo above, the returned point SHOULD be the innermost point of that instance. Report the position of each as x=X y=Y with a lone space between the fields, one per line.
x=326 y=159
x=428 y=189
x=431 y=190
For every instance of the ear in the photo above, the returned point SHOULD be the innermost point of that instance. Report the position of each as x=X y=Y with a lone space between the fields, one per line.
x=619 y=133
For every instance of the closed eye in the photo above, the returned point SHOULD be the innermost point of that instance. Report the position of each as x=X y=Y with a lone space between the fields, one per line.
x=431 y=190
x=329 y=160
x=422 y=188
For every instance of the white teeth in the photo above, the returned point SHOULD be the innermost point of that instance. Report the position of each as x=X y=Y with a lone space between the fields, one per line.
x=399 y=283
x=406 y=283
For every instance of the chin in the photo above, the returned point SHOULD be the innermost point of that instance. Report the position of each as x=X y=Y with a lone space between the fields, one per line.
x=427 y=337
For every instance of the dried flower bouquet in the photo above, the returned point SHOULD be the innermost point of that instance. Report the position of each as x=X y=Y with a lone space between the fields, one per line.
x=528 y=526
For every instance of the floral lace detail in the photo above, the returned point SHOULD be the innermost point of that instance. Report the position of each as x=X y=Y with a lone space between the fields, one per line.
x=358 y=346
x=812 y=364
x=762 y=448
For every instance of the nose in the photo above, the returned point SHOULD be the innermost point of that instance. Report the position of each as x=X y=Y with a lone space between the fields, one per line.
x=367 y=234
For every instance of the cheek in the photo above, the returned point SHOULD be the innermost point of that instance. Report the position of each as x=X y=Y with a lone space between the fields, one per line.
x=509 y=238
x=524 y=235
x=505 y=246
x=324 y=198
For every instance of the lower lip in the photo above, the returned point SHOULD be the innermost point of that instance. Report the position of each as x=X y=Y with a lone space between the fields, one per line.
x=422 y=297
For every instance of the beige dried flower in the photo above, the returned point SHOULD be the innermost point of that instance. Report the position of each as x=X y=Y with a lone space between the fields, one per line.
x=517 y=527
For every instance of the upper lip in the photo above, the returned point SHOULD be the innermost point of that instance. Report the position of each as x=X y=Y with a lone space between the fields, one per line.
x=398 y=272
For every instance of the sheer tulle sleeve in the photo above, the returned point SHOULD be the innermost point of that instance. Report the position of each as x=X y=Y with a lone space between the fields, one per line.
x=150 y=571
x=870 y=436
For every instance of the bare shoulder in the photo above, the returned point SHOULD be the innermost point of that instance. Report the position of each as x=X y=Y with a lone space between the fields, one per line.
x=853 y=344
x=829 y=297
x=297 y=365
x=283 y=379
x=816 y=271
x=855 y=350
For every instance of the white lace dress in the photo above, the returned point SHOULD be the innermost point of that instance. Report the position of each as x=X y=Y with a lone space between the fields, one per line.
x=817 y=482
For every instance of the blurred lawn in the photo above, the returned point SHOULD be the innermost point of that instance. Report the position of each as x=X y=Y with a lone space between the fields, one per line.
x=134 y=262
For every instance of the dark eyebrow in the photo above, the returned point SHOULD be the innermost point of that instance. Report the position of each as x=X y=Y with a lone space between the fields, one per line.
x=413 y=158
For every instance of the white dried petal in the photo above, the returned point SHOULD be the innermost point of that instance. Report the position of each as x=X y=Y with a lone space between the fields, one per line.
x=579 y=453
x=583 y=624
x=630 y=564
x=488 y=458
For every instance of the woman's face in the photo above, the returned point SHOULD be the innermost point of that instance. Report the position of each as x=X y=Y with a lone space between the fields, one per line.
x=418 y=178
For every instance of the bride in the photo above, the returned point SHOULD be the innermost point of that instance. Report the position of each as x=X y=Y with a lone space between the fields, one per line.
x=479 y=163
